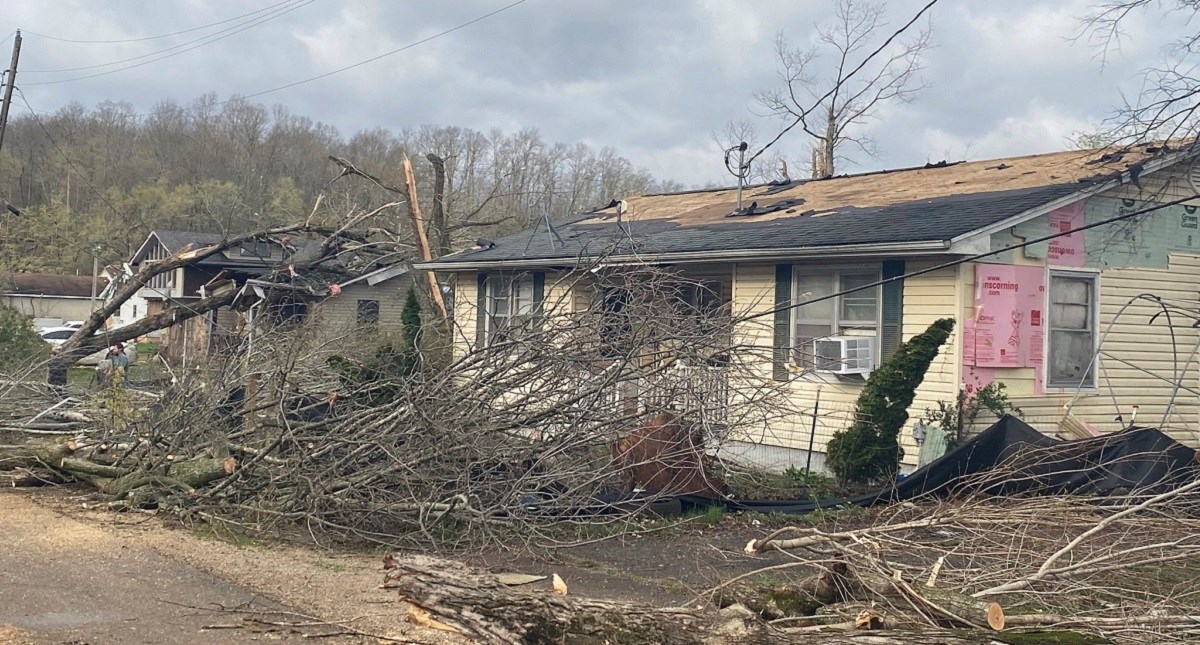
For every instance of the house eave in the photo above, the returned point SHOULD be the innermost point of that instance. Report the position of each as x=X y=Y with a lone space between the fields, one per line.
x=1084 y=193
x=886 y=249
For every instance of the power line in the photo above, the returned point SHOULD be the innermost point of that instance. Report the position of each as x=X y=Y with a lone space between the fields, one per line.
x=383 y=55
x=336 y=71
x=160 y=36
x=210 y=39
x=62 y=153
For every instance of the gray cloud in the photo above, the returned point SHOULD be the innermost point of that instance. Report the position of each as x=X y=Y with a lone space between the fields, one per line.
x=651 y=79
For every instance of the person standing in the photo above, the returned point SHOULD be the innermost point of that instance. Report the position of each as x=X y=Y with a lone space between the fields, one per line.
x=120 y=362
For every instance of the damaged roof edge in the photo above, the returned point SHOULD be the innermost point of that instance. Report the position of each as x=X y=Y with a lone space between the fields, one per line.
x=685 y=257
x=1083 y=193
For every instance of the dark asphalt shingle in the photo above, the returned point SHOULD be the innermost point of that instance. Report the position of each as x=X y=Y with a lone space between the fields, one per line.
x=935 y=219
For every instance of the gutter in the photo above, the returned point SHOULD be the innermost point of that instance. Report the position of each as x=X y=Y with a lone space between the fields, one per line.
x=692 y=257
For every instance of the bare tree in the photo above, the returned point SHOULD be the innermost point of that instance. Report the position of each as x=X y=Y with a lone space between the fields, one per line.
x=1166 y=108
x=829 y=103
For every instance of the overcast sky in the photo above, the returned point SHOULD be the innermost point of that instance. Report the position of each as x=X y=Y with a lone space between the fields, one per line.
x=651 y=79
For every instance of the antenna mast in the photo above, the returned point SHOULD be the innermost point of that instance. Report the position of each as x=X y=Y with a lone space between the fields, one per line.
x=742 y=171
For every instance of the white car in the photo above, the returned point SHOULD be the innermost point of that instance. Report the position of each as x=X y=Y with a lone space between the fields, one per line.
x=58 y=335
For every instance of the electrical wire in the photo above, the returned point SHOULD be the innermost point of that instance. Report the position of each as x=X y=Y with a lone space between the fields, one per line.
x=243 y=97
x=800 y=119
x=380 y=56
x=62 y=153
x=160 y=36
x=239 y=28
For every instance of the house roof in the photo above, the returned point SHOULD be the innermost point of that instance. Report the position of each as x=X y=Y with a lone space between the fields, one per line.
x=906 y=208
x=175 y=241
x=50 y=284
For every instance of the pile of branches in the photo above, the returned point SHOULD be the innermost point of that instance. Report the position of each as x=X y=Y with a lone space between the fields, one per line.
x=1057 y=569
x=1120 y=568
x=552 y=429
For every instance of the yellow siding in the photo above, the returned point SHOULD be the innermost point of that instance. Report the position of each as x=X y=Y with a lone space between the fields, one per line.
x=926 y=299
x=1145 y=345
x=466 y=294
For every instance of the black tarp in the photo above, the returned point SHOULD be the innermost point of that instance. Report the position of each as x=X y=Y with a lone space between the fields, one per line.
x=1011 y=457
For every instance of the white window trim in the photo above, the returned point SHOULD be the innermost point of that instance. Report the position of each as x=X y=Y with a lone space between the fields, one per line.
x=1094 y=387
x=837 y=271
x=491 y=329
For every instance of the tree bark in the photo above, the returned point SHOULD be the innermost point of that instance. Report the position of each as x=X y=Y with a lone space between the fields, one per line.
x=450 y=596
x=418 y=222
x=437 y=218
x=35 y=454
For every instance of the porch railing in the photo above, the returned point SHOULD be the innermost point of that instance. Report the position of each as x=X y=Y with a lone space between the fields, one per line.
x=698 y=392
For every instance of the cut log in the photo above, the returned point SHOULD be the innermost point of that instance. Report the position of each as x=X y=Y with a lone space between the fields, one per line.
x=35 y=454
x=475 y=604
x=179 y=476
x=949 y=608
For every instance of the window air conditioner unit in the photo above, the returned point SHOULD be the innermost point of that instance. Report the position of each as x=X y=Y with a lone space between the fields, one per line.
x=844 y=355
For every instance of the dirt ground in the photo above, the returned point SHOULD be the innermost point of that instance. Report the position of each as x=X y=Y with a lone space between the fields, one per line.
x=74 y=574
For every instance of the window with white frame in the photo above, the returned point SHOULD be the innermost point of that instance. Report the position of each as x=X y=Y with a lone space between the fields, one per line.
x=1072 y=319
x=851 y=314
x=510 y=304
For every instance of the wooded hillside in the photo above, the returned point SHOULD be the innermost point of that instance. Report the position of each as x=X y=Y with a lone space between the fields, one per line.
x=105 y=176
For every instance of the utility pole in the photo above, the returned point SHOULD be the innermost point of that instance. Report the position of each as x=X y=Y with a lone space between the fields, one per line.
x=10 y=80
x=95 y=275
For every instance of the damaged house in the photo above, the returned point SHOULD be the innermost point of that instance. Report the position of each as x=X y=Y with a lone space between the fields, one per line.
x=1084 y=329
x=345 y=294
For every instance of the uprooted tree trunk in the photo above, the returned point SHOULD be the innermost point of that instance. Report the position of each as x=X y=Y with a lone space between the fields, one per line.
x=450 y=596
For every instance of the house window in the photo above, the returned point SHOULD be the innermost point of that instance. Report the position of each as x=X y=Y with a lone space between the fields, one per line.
x=510 y=304
x=701 y=298
x=368 y=312
x=616 y=326
x=1072 y=318
x=852 y=314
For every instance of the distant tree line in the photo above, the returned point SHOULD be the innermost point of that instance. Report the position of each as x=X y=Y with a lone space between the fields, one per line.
x=104 y=177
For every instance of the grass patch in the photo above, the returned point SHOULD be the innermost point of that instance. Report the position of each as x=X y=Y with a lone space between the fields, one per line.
x=708 y=516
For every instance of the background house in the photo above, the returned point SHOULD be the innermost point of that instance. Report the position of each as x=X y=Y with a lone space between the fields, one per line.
x=1063 y=323
x=49 y=298
x=340 y=295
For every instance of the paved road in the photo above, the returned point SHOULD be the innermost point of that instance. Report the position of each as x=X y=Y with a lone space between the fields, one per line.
x=64 y=581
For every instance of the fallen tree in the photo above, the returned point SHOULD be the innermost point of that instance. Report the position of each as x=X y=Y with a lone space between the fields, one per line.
x=450 y=596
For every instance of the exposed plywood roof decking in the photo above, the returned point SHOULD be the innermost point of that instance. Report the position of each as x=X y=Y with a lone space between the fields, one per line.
x=888 y=187
x=914 y=209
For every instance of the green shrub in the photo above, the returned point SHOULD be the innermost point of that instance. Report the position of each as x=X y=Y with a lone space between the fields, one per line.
x=955 y=418
x=20 y=346
x=868 y=450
